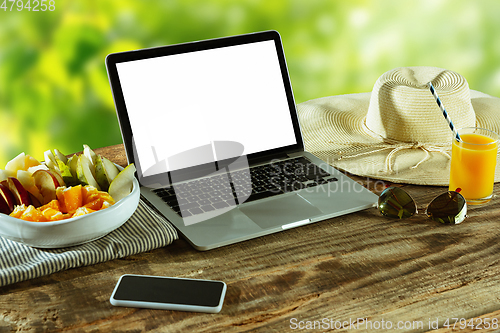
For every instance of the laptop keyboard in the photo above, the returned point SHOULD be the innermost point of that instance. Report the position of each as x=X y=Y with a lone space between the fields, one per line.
x=222 y=191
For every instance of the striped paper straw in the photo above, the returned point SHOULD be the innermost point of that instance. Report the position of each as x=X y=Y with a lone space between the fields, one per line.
x=445 y=114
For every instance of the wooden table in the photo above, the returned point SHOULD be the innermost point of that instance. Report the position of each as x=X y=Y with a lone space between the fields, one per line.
x=397 y=275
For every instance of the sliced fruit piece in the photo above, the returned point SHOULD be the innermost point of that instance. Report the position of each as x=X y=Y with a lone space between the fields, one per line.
x=7 y=196
x=25 y=178
x=32 y=214
x=100 y=174
x=90 y=154
x=64 y=171
x=97 y=200
x=58 y=176
x=4 y=207
x=60 y=199
x=72 y=164
x=17 y=163
x=94 y=204
x=82 y=211
x=87 y=193
x=50 y=159
x=105 y=205
x=105 y=196
x=54 y=204
x=110 y=169
x=35 y=168
x=4 y=174
x=30 y=161
x=28 y=182
x=66 y=174
x=71 y=197
x=20 y=194
x=18 y=211
x=122 y=185
x=35 y=201
x=60 y=156
x=47 y=183
x=84 y=172
x=51 y=214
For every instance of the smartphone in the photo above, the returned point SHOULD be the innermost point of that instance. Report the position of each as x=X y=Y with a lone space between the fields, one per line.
x=168 y=293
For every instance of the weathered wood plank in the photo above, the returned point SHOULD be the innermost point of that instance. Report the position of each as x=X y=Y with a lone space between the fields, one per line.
x=361 y=265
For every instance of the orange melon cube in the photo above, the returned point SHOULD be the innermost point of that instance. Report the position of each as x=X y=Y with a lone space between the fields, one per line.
x=82 y=211
x=54 y=204
x=33 y=215
x=52 y=214
x=70 y=198
x=18 y=211
x=60 y=199
x=87 y=192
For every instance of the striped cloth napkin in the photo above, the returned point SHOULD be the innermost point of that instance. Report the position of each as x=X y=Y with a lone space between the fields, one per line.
x=144 y=231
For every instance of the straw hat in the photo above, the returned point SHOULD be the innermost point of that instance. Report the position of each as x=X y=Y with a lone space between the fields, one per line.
x=397 y=132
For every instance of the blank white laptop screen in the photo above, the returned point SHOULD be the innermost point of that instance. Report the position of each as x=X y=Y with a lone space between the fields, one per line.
x=179 y=102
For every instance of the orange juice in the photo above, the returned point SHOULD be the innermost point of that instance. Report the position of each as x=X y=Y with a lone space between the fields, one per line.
x=473 y=164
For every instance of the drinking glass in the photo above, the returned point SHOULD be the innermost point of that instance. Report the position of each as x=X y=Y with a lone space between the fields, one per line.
x=473 y=163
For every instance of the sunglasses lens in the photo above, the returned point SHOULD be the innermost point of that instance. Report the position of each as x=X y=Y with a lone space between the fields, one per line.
x=448 y=208
x=395 y=202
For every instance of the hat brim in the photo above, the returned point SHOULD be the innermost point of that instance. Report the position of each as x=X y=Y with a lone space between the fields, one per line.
x=333 y=129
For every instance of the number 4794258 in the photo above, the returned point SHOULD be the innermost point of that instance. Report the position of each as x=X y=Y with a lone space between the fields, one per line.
x=34 y=6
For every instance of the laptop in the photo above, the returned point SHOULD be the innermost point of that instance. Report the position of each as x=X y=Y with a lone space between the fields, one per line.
x=213 y=131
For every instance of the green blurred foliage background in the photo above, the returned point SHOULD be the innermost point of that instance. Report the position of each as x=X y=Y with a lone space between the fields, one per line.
x=54 y=91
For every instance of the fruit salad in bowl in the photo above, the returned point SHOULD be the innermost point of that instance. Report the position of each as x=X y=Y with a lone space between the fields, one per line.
x=64 y=201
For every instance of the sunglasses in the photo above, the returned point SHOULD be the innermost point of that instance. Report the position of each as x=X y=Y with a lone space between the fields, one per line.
x=448 y=208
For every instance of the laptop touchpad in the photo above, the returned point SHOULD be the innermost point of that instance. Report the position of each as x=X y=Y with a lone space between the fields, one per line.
x=280 y=211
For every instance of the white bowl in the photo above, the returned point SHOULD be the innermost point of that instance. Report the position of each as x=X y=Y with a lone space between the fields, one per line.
x=73 y=231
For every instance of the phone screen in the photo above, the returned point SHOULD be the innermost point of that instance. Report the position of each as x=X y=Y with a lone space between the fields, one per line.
x=154 y=289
